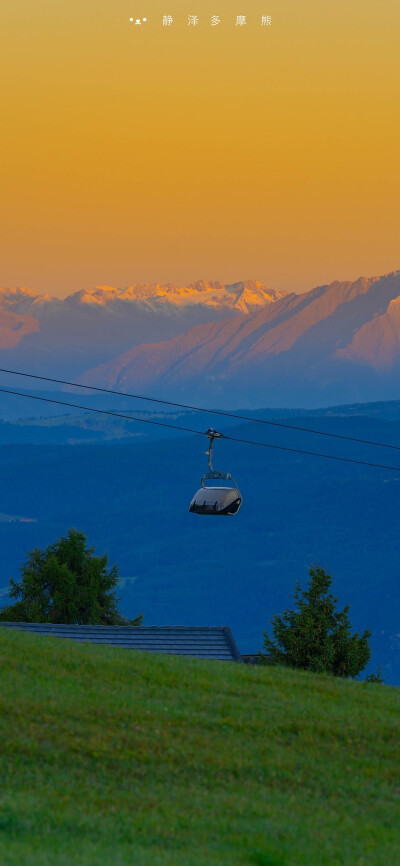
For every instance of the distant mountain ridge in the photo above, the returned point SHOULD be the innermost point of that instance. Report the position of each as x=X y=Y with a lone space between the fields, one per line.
x=244 y=297
x=241 y=297
x=94 y=325
x=241 y=344
x=336 y=343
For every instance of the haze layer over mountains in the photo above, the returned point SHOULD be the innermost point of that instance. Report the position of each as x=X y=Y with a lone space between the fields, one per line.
x=242 y=344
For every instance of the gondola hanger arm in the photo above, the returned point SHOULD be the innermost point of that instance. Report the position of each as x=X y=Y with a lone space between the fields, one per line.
x=212 y=473
x=211 y=434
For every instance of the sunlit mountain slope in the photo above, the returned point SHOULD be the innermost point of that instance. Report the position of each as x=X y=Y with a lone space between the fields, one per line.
x=335 y=343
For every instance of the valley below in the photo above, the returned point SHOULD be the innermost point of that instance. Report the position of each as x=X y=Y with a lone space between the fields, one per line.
x=131 y=497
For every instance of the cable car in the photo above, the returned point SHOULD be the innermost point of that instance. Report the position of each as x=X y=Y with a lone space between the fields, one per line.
x=216 y=500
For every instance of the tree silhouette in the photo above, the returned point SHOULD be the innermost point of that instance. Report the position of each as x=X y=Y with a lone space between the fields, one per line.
x=315 y=636
x=66 y=583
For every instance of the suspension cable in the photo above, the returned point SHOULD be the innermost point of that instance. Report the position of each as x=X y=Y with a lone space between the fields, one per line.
x=222 y=412
x=199 y=432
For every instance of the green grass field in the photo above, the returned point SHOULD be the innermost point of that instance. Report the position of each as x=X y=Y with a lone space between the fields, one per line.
x=110 y=757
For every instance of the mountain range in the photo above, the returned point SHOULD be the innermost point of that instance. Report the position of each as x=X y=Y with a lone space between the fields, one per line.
x=336 y=343
x=239 y=344
x=94 y=325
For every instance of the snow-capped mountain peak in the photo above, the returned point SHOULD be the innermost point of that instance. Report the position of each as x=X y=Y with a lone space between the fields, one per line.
x=243 y=297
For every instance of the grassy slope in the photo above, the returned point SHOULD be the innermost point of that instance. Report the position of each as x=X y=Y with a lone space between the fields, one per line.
x=111 y=758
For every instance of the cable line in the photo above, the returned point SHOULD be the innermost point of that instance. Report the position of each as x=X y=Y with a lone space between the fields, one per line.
x=101 y=411
x=199 y=432
x=201 y=409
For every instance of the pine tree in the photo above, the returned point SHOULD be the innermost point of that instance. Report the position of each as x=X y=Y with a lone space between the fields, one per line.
x=66 y=583
x=315 y=636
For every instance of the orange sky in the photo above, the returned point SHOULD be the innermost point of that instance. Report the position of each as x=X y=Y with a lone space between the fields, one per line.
x=153 y=154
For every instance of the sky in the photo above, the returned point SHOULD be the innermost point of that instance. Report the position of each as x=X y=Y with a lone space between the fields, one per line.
x=150 y=153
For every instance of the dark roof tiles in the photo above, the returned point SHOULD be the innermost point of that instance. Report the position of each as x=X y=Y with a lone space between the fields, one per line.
x=198 y=641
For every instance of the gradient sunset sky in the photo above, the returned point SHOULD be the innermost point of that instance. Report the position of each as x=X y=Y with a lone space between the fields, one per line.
x=137 y=154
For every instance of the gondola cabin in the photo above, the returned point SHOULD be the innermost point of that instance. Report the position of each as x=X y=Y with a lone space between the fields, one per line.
x=216 y=500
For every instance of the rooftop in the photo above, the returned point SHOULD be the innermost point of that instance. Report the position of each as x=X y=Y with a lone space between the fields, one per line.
x=214 y=642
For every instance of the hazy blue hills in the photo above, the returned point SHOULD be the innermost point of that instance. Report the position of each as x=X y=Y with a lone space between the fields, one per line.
x=131 y=497
x=36 y=421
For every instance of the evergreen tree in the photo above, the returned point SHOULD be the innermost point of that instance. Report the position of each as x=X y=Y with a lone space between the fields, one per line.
x=66 y=583
x=316 y=636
